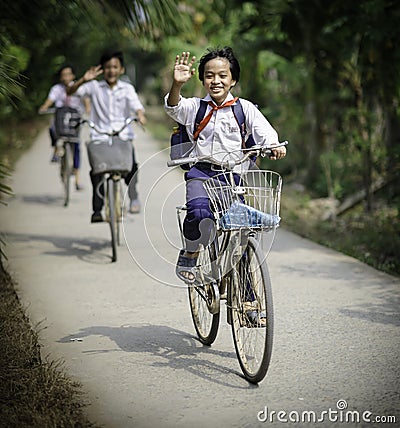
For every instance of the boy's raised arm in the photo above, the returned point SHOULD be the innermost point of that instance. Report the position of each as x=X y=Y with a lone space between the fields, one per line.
x=183 y=72
x=90 y=74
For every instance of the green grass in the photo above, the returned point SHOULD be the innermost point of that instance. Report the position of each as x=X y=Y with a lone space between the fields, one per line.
x=373 y=238
x=16 y=138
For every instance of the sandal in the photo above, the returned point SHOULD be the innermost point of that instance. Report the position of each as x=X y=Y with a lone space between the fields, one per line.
x=186 y=265
x=256 y=318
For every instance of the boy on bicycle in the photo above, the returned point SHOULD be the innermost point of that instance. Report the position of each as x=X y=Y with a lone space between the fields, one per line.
x=112 y=102
x=218 y=135
x=58 y=96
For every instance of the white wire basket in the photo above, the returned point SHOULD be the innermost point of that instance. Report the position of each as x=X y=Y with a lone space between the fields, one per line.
x=248 y=201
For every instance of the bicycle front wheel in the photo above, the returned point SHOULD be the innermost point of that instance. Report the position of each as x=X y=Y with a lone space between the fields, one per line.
x=251 y=311
x=204 y=297
x=118 y=210
x=112 y=218
x=66 y=171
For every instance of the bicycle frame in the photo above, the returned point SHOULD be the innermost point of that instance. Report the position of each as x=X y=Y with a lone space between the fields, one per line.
x=228 y=244
x=115 y=177
x=113 y=200
x=113 y=204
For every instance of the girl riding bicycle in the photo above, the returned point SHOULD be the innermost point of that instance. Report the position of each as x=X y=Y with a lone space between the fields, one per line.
x=59 y=98
x=218 y=135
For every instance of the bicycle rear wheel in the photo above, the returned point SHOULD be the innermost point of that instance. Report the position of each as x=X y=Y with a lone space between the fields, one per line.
x=251 y=311
x=204 y=297
x=66 y=171
x=112 y=218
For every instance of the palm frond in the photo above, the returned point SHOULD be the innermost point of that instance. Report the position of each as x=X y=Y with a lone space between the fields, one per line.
x=147 y=16
x=4 y=188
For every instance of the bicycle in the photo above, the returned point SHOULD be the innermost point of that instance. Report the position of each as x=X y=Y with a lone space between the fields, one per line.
x=232 y=266
x=67 y=136
x=112 y=158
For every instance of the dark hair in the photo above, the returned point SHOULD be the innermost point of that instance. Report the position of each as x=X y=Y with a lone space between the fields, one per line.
x=63 y=67
x=225 y=52
x=112 y=54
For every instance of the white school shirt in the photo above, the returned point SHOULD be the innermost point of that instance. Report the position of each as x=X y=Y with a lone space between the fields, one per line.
x=60 y=98
x=110 y=107
x=221 y=136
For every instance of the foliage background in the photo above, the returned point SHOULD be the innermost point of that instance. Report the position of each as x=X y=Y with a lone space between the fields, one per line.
x=326 y=75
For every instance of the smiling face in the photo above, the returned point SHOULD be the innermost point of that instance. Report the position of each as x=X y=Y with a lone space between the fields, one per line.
x=66 y=76
x=112 y=71
x=218 y=79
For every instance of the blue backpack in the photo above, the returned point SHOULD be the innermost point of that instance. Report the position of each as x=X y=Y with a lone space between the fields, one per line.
x=181 y=146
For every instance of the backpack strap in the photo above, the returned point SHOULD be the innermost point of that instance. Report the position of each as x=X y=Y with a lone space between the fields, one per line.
x=239 y=116
x=200 y=115
x=240 y=119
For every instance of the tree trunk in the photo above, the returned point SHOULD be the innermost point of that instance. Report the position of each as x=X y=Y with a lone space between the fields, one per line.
x=392 y=140
x=365 y=134
x=310 y=32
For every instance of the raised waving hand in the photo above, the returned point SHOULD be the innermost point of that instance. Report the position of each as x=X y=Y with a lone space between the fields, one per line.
x=92 y=73
x=183 y=69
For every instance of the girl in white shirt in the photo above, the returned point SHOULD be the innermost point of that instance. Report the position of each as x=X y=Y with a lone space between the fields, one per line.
x=59 y=98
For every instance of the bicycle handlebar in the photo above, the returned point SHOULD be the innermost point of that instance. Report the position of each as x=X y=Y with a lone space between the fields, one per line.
x=229 y=164
x=92 y=125
x=48 y=111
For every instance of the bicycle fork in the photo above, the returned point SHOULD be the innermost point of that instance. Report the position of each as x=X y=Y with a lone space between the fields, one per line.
x=102 y=193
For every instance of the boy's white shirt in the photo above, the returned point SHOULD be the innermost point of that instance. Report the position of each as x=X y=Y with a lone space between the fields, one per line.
x=221 y=135
x=110 y=107
x=60 y=98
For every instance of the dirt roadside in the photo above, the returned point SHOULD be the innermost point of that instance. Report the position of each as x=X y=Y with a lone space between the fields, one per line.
x=33 y=392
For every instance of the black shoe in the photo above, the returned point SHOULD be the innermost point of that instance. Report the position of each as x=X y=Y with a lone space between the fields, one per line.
x=96 y=217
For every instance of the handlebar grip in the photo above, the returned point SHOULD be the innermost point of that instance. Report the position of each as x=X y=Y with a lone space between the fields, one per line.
x=182 y=161
x=268 y=151
x=48 y=111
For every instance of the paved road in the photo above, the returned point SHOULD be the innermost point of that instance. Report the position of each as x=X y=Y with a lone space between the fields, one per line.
x=124 y=328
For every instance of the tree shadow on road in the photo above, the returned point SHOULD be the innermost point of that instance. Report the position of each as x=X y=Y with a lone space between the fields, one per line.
x=43 y=199
x=89 y=250
x=382 y=313
x=172 y=348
